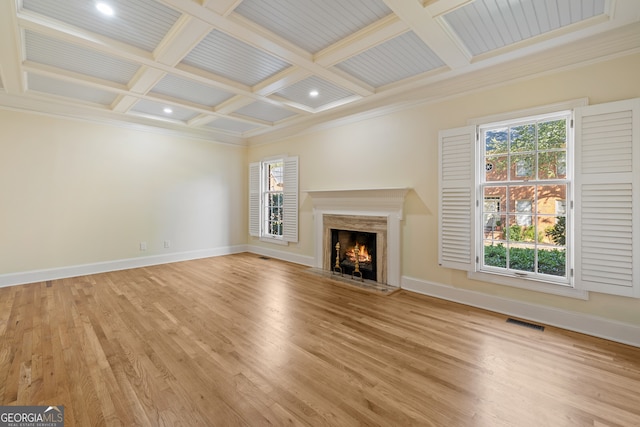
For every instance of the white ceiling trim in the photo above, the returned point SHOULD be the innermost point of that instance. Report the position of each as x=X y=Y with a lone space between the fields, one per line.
x=431 y=32
x=90 y=113
x=132 y=74
x=621 y=42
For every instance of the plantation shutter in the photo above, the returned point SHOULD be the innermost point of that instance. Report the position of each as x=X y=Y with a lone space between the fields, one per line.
x=456 y=219
x=608 y=198
x=254 y=199
x=290 y=200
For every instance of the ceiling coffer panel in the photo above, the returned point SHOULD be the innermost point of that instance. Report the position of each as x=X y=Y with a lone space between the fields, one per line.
x=486 y=25
x=265 y=111
x=139 y=23
x=310 y=24
x=397 y=59
x=46 y=84
x=327 y=93
x=66 y=56
x=191 y=91
x=231 y=125
x=233 y=59
x=157 y=109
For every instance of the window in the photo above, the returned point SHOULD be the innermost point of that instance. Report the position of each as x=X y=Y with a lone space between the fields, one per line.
x=523 y=220
x=525 y=154
x=523 y=168
x=492 y=210
x=565 y=204
x=273 y=200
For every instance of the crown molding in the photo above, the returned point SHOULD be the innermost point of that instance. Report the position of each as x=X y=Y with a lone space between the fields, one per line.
x=89 y=113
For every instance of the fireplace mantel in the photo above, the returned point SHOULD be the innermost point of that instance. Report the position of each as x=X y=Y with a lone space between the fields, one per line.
x=385 y=199
x=383 y=202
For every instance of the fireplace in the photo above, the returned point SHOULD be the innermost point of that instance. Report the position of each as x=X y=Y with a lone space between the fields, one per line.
x=354 y=254
x=369 y=232
x=376 y=214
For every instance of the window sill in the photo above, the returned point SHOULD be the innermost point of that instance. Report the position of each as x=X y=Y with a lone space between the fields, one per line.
x=274 y=240
x=529 y=284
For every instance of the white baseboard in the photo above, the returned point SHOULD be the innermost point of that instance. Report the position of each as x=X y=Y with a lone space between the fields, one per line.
x=625 y=333
x=285 y=256
x=115 y=265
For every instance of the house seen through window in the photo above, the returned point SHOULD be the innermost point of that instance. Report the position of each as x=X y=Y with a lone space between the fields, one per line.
x=524 y=187
x=273 y=197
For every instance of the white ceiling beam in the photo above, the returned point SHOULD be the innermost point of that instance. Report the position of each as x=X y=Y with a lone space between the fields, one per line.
x=221 y=7
x=201 y=120
x=281 y=80
x=141 y=83
x=124 y=103
x=13 y=80
x=185 y=34
x=127 y=53
x=73 y=77
x=233 y=104
x=248 y=32
x=145 y=79
x=55 y=29
x=440 y=7
x=430 y=31
x=372 y=35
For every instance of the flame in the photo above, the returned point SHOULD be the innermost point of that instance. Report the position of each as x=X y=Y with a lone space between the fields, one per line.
x=363 y=254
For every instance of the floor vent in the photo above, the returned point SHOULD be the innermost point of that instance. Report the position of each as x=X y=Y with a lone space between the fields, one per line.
x=264 y=257
x=525 y=324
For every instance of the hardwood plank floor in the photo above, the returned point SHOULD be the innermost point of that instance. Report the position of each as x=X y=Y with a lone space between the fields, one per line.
x=239 y=340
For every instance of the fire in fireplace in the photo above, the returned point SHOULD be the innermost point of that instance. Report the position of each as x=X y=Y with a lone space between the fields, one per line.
x=350 y=243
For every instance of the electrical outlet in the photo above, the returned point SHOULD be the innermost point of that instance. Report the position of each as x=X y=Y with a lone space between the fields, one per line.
x=167 y=243
x=143 y=246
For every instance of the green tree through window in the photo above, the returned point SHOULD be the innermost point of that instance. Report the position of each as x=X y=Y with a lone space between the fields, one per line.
x=525 y=170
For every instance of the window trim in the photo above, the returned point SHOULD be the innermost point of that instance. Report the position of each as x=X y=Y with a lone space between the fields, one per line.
x=257 y=208
x=523 y=217
x=551 y=109
x=530 y=284
x=265 y=192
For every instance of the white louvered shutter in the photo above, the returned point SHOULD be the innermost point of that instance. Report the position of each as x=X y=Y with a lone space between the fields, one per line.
x=290 y=202
x=254 y=199
x=456 y=248
x=607 y=208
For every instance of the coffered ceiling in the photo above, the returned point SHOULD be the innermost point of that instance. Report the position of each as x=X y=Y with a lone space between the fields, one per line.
x=249 y=71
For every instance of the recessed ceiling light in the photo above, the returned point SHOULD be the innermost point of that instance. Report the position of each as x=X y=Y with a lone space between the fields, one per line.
x=105 y=9
x=167 y=110
x=314 y=93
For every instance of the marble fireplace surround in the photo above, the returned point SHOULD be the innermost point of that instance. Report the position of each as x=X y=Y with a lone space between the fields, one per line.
x=374 y=210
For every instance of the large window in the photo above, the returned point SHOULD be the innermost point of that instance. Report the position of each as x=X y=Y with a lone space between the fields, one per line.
x=546 y=200
x=524 y=165
x=273 y=199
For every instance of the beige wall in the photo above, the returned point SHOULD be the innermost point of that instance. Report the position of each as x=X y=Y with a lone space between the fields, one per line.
x=75 y=193
x=400 y=150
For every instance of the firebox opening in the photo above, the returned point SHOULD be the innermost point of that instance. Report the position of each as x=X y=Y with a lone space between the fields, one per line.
x=366 y=249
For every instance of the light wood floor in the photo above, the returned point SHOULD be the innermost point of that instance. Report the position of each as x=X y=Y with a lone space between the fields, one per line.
x=239 y=340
